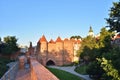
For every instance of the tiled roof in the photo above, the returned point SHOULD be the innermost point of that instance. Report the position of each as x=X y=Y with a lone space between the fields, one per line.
x=66 y=39
x=76 y=41
x=118 y=36
x=58 y=39
x=51 y=41
x=43 y=39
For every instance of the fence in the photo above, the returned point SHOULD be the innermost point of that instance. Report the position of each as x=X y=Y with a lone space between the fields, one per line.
x=11 y=73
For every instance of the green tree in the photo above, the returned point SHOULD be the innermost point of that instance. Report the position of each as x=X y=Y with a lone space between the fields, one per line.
x=86 y=50
x=10 y=45
x=77 y=37
x=109 y=69
x=114 y=17
x=96 y=49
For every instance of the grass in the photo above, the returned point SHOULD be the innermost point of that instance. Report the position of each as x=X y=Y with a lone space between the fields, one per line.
x=63 y=75
x=3 y=67
x=81 y=69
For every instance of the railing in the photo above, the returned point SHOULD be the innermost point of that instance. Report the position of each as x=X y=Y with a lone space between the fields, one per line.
x=11 y=73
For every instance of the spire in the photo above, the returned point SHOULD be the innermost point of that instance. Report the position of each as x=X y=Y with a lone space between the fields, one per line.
x=43 y=39
x=90 y=29
x=30 y=45
x=90 y=33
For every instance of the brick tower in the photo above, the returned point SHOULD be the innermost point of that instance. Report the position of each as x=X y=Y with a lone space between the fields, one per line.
x=43 y=49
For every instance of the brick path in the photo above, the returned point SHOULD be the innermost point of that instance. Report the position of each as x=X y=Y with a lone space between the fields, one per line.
x=23 y=74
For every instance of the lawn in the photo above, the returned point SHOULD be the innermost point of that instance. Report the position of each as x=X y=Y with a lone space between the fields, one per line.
x=81 y=69
x=3 y=67
x=63 y=75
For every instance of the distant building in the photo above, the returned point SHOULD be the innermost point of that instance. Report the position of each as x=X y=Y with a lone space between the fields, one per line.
x=91 y=33
x=116 y=40
x=59 y=52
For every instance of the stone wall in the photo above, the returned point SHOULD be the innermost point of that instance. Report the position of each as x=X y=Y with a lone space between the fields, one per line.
x=61 y=52
x=39 y=72
x=11 y=73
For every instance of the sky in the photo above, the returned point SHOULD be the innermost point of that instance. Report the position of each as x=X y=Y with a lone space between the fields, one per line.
x=28 y=20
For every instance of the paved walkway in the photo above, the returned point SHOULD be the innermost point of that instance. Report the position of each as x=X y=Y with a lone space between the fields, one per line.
x=71 y=70
x=23 y=74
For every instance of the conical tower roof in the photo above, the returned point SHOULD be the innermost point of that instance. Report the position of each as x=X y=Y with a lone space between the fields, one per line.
x=58 y=39
x=43 y=39
x=51 y=41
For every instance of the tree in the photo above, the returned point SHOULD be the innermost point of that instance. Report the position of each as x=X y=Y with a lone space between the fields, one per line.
x=10 y=43
x=109 y=69
x=114 y=17
x=96 y=48
x=77 y=37
x=86 y=50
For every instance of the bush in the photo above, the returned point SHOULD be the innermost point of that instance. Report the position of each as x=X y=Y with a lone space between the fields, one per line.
x=81 y=69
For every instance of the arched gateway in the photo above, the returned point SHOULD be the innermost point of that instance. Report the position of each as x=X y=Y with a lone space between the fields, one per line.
x=57 y=52
x=50 y=62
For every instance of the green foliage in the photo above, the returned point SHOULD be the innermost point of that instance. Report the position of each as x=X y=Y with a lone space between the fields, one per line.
x=114 y=17
x=95 y=70
x=63 y=75
x=3 y=67
x=93 y=48
x=10 y=45
x=87 y=48
x=109 y=69
x=73 y=37
x=81 y=69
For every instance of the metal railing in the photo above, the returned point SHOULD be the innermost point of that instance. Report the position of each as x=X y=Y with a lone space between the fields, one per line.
x=11 y=73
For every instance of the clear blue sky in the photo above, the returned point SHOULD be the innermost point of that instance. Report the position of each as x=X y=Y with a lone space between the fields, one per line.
x=28 y=20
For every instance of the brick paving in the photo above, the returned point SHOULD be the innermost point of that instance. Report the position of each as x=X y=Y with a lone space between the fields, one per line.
x=23 y=74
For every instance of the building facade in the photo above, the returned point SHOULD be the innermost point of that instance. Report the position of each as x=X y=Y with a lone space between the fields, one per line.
x=59 y=52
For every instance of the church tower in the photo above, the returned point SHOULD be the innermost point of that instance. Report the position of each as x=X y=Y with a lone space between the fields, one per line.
x=91 y=33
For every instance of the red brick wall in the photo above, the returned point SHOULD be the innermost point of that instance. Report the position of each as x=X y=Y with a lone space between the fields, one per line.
x=39 y=72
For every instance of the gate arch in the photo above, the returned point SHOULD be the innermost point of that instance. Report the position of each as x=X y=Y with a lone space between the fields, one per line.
x=50 y=62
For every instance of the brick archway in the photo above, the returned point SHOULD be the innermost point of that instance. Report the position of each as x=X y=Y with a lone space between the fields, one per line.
x=50 y=62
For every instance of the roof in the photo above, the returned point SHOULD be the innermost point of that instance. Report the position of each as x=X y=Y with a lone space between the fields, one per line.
x=76 y=41
x=58 y=39
x=51 y=41
x=66 y=39
x=118 y=36
x=43 y=39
